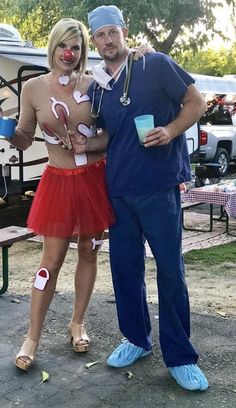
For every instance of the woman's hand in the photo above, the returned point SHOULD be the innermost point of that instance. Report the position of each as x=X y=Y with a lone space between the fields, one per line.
x=79 y=142
x=84 y=144
x=142 y=50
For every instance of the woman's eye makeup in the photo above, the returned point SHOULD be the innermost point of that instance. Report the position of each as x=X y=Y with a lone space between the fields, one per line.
x=76 y=48
x=62 y=45
x=73 y=48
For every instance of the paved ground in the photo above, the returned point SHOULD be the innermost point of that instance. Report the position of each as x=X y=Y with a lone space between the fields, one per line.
x=73 y=385
x=199 y=218
x=194 y=239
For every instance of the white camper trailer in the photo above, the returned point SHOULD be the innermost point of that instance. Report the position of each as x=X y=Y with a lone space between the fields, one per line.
x=18 y=62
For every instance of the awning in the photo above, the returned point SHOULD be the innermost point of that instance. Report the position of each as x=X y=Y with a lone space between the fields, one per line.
x=34 y=57
x=216 y=85
x=27 y=59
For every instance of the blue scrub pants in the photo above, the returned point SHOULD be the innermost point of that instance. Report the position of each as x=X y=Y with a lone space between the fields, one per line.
x=156 y=218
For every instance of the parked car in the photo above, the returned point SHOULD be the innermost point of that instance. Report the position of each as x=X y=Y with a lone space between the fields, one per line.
x=217 y=127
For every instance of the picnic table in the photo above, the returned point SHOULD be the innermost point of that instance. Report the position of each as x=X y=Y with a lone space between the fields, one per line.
x=8 y=236
x=220 y=194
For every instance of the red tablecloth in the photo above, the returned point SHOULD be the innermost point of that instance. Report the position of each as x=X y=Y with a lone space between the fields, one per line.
x=206 y=195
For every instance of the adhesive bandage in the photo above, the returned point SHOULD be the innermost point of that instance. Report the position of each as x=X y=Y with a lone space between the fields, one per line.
x=42 y=276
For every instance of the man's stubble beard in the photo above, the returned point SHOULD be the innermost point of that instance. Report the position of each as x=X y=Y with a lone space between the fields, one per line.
x=119 y=56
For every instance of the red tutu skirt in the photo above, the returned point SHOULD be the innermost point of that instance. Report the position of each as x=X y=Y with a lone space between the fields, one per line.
x=71 y=202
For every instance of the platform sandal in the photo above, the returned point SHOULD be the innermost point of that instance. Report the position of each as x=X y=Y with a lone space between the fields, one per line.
x=28 y=351
x=79 y=339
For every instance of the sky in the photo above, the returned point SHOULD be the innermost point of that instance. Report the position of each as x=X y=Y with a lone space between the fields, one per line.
x=224 y=23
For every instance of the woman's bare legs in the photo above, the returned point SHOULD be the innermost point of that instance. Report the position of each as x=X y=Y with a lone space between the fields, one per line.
x=53 y=255
x=54 y=252
x=85 y=275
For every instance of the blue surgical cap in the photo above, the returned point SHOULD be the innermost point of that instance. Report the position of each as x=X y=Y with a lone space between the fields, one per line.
x=104 y=16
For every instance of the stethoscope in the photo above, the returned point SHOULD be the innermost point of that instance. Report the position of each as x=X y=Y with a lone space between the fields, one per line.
x=124 y=99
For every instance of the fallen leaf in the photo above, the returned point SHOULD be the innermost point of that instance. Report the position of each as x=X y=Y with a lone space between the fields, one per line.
x=223 y=314
x=129 y=374
x=89 y=365
x=45 y=376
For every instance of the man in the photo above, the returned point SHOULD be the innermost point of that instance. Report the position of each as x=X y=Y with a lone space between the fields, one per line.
x=143 y=184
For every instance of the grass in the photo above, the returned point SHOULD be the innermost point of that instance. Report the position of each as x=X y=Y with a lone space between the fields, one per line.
x=212 y=256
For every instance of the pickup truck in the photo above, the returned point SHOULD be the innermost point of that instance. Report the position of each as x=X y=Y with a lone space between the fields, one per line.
x=218 y=136
x=217 y=127
x=218 y=145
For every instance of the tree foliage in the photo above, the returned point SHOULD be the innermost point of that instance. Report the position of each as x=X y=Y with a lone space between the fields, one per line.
x=170 y=26
x=34 y=19
x=216 y=62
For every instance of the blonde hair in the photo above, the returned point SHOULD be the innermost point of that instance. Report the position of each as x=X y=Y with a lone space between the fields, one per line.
x=64 y=30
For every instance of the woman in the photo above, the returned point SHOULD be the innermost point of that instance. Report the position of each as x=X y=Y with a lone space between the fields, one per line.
x=71 y=198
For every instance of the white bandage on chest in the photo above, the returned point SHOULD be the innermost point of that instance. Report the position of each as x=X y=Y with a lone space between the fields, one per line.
x=50 y=139
x=80 y=159
x=86 y=131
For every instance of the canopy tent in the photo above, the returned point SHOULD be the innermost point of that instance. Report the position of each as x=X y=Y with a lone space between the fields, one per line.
x=217 y=85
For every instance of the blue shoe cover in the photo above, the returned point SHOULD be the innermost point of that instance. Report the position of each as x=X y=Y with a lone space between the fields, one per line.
x=126 y=354
x=189 y=377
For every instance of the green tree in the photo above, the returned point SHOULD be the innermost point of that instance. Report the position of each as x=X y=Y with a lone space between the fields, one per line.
x=34 y=19
x=216 y=62
x=169 y=25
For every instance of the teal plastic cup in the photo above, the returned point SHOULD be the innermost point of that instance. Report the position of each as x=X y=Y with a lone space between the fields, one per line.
x=143 y=124
x=7 y=127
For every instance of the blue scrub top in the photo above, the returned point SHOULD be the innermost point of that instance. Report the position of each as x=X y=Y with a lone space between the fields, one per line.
x=157 y=89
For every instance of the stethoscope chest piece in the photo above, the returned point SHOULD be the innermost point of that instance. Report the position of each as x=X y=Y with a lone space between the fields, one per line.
x=124 y=100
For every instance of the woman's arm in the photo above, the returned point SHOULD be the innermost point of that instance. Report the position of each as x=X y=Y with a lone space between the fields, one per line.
x=25 y=130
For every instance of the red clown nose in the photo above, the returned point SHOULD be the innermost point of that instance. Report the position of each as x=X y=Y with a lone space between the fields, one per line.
x=68 y=55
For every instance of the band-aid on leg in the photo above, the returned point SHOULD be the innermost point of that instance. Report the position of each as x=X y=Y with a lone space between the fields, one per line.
x=41 y=278
x=96 y=242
